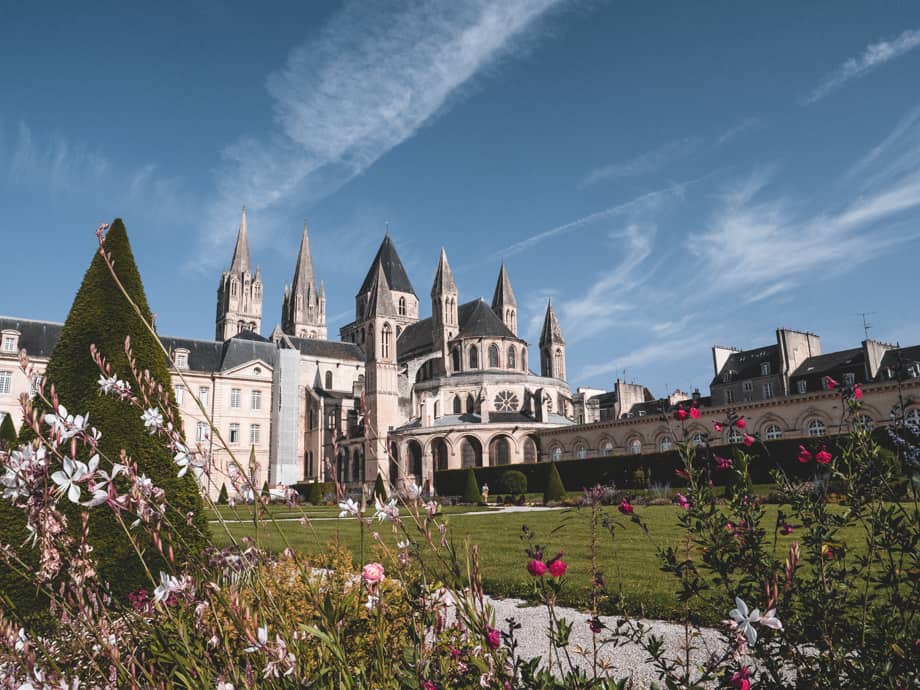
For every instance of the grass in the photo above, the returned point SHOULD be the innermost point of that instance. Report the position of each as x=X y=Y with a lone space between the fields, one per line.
x=282 y=511
x=628 y=560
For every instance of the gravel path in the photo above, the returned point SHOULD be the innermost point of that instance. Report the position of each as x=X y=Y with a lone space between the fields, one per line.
x=627 y=660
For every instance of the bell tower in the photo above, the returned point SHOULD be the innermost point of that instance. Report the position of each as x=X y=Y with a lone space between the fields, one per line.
x=239 y=294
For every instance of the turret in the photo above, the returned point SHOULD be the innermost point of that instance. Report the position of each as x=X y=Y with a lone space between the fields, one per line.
x=303 y=309
x=503 y=302
x=239 y=294
x=552 y=346
x=444 y=321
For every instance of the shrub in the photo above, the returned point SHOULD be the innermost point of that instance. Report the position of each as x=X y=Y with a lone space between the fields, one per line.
x=7 y=432
x=513 y=482
x=555 y=489
x=471 y=493
x=223 y=498
x=315 y=493
x=265 y=492
x=380 y=489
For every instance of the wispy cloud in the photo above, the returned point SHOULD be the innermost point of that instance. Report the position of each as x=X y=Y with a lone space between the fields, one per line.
x=370 y=79
x=645 y=163
x=874 y=55
x=746 y=125
x=54 y=161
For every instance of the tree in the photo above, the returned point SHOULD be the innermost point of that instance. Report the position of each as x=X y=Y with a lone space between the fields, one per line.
x=265 y=491
x=7 y=433
x=555 y=489
x=471 y=493
x=380 y=489
x=223 y=498
x=101 y=316
x=512 y=482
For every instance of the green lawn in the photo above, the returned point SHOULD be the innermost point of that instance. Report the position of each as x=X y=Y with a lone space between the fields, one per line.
x=629 y=561
x=282 y=511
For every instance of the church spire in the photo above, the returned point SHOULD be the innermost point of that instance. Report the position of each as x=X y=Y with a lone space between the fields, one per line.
x=240 y=263
x=303 y=311
x=443 y=277
x=552 y=345
x=304 y=281
x=503 y=302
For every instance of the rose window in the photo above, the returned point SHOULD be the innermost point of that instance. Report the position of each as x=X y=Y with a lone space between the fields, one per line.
x=506 y=401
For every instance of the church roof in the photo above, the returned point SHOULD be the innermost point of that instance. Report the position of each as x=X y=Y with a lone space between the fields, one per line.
x=328 y=348
x=241 y=262
x=503 y=295
x=210 y=355
x=477 y=319
x=380 y=300
x=35 y=337
x=304 y=281
x=387 y=259
x=552 y=331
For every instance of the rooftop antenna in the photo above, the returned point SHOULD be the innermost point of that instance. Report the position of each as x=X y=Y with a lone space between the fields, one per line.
x=866 y=324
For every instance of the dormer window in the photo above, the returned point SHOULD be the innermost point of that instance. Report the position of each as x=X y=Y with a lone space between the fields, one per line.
x=765 y=369
x=181 y=359
x=10 y=341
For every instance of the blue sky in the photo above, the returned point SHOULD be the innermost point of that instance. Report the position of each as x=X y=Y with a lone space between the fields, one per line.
x=673 y=175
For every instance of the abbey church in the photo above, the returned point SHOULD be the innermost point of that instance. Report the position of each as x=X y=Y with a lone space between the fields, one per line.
x=397 y=396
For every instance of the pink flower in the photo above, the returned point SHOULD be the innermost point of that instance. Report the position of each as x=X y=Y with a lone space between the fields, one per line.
x=683 y=474
x=723 y=463
x=830 y=383
x=493 y=637
x=595 y=625
x=804 y=455
x=717 y=426
x=695 y=412
x=372 y=573
x=740 y=423
x=557 y=568
x=536 y=568
x=823 y=457
x=857 y=392
x=682 y=501
x=680 y=414
x=740 y=679
x=748 y=440
x=428 y=685
x=786 y=529
x=625 y=507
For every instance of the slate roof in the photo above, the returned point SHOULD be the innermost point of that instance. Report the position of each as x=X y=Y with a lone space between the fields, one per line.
x=203 y=355
x=393 y=269
x=416 y=338
x=478 y=320
x=328 y=348
x=908 y=357
x=746 y=364
x=833 y=364
x=36 y=337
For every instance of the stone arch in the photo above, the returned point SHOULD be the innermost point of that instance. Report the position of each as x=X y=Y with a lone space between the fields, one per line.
x=606 y=446
x=394 y=464
x=473 y=357
x=414 y=459
x=357 y=466
x=531 y=449
x=511 y=360
x=456 y=359
x=470 y=452
x=581 y=448
x=493 y=356
x=664 y=442
x=500 y=450
x=440 y=453
x=801 y=422
x=556 y=451
x=458 y=405
x=634 y=444
x=328 y=385
x=470 y=404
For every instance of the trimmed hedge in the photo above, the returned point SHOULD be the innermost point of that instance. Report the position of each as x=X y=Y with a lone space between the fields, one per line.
x=100 y=315
x=471 y=493
x=512 y=482
x=637 y=471
x=223 y=498
x=555 y=489
x=7 y=432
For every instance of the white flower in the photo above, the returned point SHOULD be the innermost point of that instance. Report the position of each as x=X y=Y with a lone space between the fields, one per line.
x=68 y=478
x=66 y=425
x=165 y=588
x=153 y=420
x=745 y=620
x=413 y=491
x=182 y=458
x=770 y=620
x=224 y=685
x=431 y=508
x=403 y=544
x=262 y=640
x=371 y=602
x=386 y=511
x=349 y=507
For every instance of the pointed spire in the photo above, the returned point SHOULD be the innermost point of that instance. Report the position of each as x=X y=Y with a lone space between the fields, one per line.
x=552 y=331
x=388 y=259
x=443 y=277
x=304 y=281
x=322 y=290
x=503 y=295
x=240 y=263
x=380 y=301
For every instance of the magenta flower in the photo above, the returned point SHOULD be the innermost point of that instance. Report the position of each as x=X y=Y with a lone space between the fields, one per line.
x=857 y=392
x=493 y=637
x=723 y=463
x=428 y=685
x=595 y=625
x=372 y=573
x=683 y=501
x=625 y=507
x=804 y=455
x=536 y=568
x=823 y=457
x=740 y=423
x=557 y=568
x=695 y=412
x=830 y=383
x=717 y=426
x=748 y=440
x=786 y=529
x=680 y=414
x=740 y=679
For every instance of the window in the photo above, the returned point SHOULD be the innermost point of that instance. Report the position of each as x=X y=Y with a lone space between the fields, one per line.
x=202 y=432
x=773 y=432
x=747 y=386
x=765 y=369
x=458 y=406
x=234 y=397
x=581 y=452
x=557 y=365
x=385 y=334
x=470 y=404
x=635 y=447
x=606 y=448
x=506 y=401
x=697 y=439
x=801 y=386
x=530 y=450
x=234 y=433
x=665 y=444
x=735 y=436
x=180 y=393
x=511 y=363
x=912 y=419
x=203 y=394
x=455 y=356
x=181 y=360
x=729 y=397
x=767 y=391
x=253 y=434
x=816 y=428
x=437 y=409
x=849 y=379
x=493 y=356
x=255 y=400
x=402 y=306
x=557 y=453
x=328 y=380
x=9 y=343
x=34 y=384
x=864 y=423
x=6 y=381
x=474 y=357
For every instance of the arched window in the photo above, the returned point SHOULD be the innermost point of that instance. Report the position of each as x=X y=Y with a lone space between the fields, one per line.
x=665 y=444
x=580 y=451
x=474 y=357
x=697 y=439
x=471 y=452
x=357 y=467
x=385 y=341
x=415 y=460
x=772 y=432
x=493 y=356
x=402 y=306
x=557 y=453
x=816 y=428
x=455 y=355
x=912 y=419
x=530 y=450
x=439 y=451
x=511 y=363
x=523 y=360
x=557 y=364
x=437 y=409
x=607 y=448
x=233 y=288
x=458 y=406
x=635 y=447
x=470 y=404
x=328 y=380
x=735 y=435
x=500 y=451
x=864 y=423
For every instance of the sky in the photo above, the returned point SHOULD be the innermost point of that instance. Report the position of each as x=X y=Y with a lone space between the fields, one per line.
x=672 y=175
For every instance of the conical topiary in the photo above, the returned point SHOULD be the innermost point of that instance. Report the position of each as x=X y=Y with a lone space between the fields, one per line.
x=265 y=491
x=555 y=489
x=223 y=498
x=7 y=433
x=315 y=494
x=471 y=493
x=380 y=489
x=101 y=316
